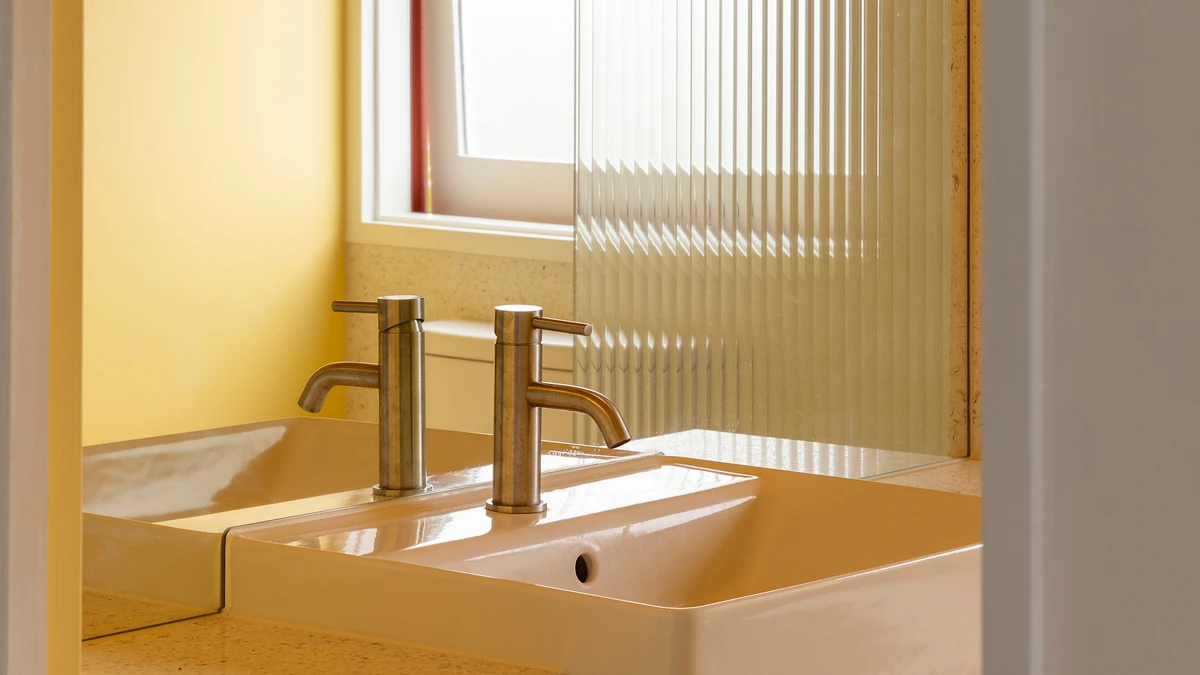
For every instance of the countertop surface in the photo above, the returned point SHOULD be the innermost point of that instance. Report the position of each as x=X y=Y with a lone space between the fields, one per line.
x=105 y=613
x=962 y=476
x=223 y=645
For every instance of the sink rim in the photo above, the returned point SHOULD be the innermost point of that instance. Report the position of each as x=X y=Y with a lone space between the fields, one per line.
x=412 y=507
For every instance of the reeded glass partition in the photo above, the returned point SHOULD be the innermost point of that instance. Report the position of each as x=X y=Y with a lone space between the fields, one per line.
x=768 y=221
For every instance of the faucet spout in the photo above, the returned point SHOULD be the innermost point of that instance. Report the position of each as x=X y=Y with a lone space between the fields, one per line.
x=582 y=400
x=345 y=373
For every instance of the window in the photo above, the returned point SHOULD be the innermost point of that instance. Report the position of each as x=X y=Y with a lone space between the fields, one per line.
x=517 y=79
x=479 y=135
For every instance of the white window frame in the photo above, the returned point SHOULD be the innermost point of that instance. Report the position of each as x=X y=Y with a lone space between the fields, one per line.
x=473 y=185
x=366 y=165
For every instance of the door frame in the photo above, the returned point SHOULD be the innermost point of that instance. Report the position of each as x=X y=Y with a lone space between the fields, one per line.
x=40 y=333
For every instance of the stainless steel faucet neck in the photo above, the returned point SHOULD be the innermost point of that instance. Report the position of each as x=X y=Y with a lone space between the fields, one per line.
x=400 y=378
x=520 y=395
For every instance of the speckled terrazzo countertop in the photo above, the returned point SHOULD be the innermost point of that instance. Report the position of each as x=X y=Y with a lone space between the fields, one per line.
x=223 y=645
x=963 y=476
x=105 y=613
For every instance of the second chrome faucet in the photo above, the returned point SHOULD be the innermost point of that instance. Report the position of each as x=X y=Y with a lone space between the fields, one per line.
x=520 y=396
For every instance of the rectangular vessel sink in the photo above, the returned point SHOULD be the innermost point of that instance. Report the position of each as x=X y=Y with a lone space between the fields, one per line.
x=156 y=509
x=642 y=565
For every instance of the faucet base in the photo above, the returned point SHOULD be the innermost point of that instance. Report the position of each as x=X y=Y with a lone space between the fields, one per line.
x=539 y=507
x=395 y=492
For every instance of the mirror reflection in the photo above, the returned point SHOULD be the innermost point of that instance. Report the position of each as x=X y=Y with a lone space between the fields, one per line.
x=772 y=247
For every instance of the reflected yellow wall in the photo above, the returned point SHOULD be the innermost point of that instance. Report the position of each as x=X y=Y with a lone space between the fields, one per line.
x=212 y=202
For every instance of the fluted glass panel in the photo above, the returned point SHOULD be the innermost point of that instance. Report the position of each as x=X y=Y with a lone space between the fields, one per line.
x=762 y=214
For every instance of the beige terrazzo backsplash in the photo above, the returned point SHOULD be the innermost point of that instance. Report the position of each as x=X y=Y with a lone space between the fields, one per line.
x=455 y=286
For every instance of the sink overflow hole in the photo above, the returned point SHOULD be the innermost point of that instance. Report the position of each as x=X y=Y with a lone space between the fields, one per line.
x=583 y=569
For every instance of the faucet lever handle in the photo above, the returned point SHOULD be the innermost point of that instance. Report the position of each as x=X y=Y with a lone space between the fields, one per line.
x=562 y=325
x=393 y=310
x=354 y=306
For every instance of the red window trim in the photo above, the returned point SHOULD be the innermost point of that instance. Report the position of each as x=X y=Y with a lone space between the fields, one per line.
x=422 y=195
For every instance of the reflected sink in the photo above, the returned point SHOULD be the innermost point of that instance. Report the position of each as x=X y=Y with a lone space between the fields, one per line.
x=644 y=564
x=156 y=510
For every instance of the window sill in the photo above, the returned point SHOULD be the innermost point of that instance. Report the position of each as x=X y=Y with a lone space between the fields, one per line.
x=478 y=236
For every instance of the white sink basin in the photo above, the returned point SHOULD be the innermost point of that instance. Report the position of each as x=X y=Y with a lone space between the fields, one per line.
x=156 y=509
x=642 y=565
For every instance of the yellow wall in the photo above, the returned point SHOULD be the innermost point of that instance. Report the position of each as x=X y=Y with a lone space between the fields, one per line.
x=212 y=207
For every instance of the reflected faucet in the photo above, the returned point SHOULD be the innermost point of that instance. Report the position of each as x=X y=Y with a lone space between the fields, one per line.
x=520 y=396
x=400 y=378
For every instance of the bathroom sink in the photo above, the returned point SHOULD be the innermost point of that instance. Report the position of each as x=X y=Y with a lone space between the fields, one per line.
x=645 y=564
x=156 y=510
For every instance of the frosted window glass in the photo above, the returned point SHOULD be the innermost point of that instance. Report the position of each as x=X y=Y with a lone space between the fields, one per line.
x=517 y=96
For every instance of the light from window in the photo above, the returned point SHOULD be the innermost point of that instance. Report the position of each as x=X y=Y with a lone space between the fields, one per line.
x=518 y=79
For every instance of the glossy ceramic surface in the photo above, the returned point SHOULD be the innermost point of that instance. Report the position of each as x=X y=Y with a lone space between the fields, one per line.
x=825 y=459
x=689 y=566
x=156 y=510
x=187 y=475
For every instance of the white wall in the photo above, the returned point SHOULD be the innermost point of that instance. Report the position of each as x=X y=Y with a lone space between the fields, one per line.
x=1092 y=336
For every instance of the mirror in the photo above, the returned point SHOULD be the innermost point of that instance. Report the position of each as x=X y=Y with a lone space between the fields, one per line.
x=798 y=274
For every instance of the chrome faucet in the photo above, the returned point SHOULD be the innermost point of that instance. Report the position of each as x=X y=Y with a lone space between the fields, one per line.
x=400 y=378
x=520 y=396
